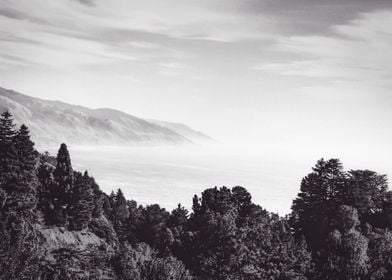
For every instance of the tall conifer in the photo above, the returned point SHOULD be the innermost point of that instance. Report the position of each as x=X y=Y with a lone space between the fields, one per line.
x=64 y=181
x=82 y=202
x=8 y=158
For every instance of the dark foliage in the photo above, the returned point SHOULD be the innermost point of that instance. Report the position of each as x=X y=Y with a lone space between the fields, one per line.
x=56 y=223
x=18 y=183
x=82 y=204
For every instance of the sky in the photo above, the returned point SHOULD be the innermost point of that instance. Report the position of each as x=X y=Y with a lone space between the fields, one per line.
x=304 y=75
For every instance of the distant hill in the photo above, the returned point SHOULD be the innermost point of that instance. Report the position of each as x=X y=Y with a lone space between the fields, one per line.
x=54 y=122
x=184 y=130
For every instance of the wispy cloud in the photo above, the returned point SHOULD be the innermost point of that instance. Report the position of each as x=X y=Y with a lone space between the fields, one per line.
x=138 y=51
x=357 y=51
x=90 y=3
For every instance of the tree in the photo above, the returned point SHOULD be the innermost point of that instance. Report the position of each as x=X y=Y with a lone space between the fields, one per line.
x=64 y=182
x=214 y=249
x=380 y=255
x=243 y=199
x=344 y=255
x=19 y=241
x=322 y=191
x=8 y=157
x=134 y=222
x=27 y=155
x=153 y=226
x=165 y=268
x=82 y=202
x=120 y=208
x=178 y=225
x=142 y=263
x=63 y=174
x=26 y=188
x=367 y=193
x=46 y=194
x=120 y=215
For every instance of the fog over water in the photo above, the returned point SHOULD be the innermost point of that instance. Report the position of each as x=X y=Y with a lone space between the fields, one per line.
x=172 y=175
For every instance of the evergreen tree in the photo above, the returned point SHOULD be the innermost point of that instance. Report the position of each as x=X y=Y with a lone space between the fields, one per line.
x=178 y=225
x=322 y=191
x=243 y=199
x=26 y=189
x=380 y=255
x=120 y=207
x=27 y=155
x=63 y=173
x=64 y=182
x=134 y=222
x=120 y=215
x=46 y=194
x=82 y=202
x=215 y=246
x=19 y=241
x=178 y=217
x=153 y=226
x=368 y=193
x=8 y=158
x=344 y=256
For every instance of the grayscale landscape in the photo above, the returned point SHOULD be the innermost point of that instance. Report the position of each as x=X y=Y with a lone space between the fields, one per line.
x=195 y=140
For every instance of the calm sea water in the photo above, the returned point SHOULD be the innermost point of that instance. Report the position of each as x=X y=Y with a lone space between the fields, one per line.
x=172 y=175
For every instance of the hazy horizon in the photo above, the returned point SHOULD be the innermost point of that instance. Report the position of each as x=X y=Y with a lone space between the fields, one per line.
x=292 y=73
x=296 y=80
x=238 y=139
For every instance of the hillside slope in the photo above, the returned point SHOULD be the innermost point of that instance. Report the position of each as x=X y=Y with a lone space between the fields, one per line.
x=182 y=129
x=53 y=122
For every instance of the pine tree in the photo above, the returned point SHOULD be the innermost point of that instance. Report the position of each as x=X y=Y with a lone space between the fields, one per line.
x=63 y=173
x=214 y=250
x=64 y=182
x=322 y=191
x=120 y=207
x=368 y=193
x=82 y=202
x=344 y=255
x=153 y=225
x=8 y=157
x=26 y=189
x=27 y=155
x=134 y=222
x=243 y=200
x=45 y=192
x=178 y=217
x=120 y=215
x=19 y=241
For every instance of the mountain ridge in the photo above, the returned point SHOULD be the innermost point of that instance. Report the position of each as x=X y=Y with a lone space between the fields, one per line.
x=54 y=121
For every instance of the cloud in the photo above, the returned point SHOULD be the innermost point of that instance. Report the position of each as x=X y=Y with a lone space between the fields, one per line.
x=305 y=17
x=153 y=33
x=90 y=3
x=356 y=52
x=18 y=15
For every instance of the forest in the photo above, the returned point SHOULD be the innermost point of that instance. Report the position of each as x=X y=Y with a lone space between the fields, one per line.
x=56 y=223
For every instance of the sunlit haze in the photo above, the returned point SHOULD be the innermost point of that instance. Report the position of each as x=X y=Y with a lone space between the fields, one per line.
x=294 y=78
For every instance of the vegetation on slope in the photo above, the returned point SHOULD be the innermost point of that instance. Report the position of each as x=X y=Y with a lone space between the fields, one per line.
x=55 y=223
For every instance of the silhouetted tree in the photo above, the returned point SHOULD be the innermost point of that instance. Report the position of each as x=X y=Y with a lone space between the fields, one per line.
x=25 y=190
x=153 y=226
x=8 y=157
x=120 y=215
x=322 y=191
x=367 y=193
x=82 y=205
x=345 y=253
x=62 y=189
x=19 y=241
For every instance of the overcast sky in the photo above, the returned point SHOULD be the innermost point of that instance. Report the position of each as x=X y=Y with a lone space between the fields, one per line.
x=288 y=73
